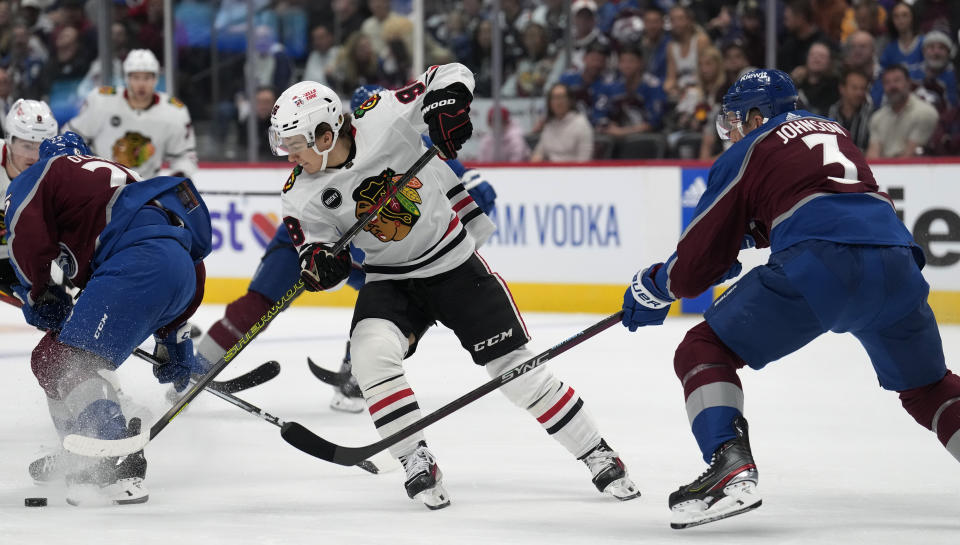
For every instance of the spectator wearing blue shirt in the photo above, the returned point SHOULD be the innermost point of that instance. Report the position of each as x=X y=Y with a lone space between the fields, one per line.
x=655 y=43
x=906 y=47
x=859 y=54
x=936 y=79
x=590 y=86
x=636 y=97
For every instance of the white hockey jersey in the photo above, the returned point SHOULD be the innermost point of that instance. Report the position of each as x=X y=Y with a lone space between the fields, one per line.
x=4 y=184
x=139 y=139
x=431 y=226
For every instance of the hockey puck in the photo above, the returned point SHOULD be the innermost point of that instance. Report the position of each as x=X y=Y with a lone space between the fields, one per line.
x=35 y=502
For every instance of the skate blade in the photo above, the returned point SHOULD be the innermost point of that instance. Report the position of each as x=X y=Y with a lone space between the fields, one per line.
x=434 y=498
x=124 y=492
x=622 y=489
x=342 y=403
x=740 y=498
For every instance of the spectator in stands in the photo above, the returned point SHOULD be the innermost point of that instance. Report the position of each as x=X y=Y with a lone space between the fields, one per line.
x=753 y=27
x=860 y=55
x=735 y=61
x=853 y=110
x=72 y=14
x=32 y=13
x=69 y=62
x=589 y=86
x=585 y=31
x=6 y=94
x=272 y=66
x=513 y=19
x=722 y=27
x=946 y=136
x=687 y=39
x=566 y=133
x=816 y=80
x=552 y=14
x=942 y=15
x=903 y=125
x=801 y=32
x=906 y=47
x=699 y=100
x=870 y=18
x=356 y=65
x=459 y=35
x=147 y=22
x=480 y=60
x=120 y=45
x=348 y=17
x=637 y=97
x=828 y=16
x=373 y=26
x=6 y=28
x=537 y=68
x=323 y=55
x=25 y=62
x=936 y=80
x=655 y=42
x=513 y=146
x=263 y=102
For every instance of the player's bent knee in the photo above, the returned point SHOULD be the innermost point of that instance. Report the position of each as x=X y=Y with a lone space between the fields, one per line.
x=703 y=358
x=60 y=367
x=526 y=390
x=377 y=348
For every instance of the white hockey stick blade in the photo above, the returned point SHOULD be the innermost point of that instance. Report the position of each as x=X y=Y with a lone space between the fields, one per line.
x=91 y=446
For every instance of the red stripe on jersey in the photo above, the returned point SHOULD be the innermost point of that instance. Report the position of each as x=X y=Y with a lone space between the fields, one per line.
x=392 y=398
x=452 y=226
x=556 y=407
x=463 y=202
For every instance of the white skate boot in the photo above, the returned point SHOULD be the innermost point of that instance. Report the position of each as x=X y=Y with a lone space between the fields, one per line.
x=609 y=473
x=424 y=478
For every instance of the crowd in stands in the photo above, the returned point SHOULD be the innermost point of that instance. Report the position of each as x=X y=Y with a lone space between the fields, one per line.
x=640 y=78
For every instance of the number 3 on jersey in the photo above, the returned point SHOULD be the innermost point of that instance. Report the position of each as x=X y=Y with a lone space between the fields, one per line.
x=831 y=155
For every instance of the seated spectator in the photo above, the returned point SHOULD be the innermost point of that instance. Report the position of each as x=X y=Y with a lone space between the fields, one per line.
x=398 y=62
x=373 y=26
x=829 y=15
x=853 y=109
x=349 y=16
x=906 y=47
x=753 y=27
x=637 y=97
x=687 y=39
x=552 y=14
x=589 y=86
x=69 y=62
x=480 y=60
x=537 y=68
x=945 y=139
x=942 y=15
x=699 y=100
x=566 y=134
x=25 y=62
x=6 y=28
x=816 y=80
x=271 y=66
x=585 y=31
x=323 y=54
x=655 y=42
x=904 y=123
x=870 y=17
x=264 y=99
x=513 y=146
x=860 y=55
x=357 y=64
x=6 y=95
x=801 y=32
x=936 y=80
x=735 y=62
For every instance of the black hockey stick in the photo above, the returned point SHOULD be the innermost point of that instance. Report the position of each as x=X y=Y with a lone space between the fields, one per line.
x=261 y=374
x=91 y=446
x=314 y=445
x=365 y=465
x=333 y=378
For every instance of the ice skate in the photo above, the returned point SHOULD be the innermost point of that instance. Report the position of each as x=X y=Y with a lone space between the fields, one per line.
x=47 y=469
x=114 y=480
x=727 y=488
x=609 y=473
x=347 y=397
x=424 y=478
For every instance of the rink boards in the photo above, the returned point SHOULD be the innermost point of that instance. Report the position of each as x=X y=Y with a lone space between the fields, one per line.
x=570 y=237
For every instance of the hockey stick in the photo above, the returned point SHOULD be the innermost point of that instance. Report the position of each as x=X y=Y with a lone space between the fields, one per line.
x=263 y=373
x=91 y=446
x=365 y=465
x=333 y=378
x=314 y=445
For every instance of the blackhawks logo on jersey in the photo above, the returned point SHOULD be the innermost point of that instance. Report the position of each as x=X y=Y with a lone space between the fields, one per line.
x=293 y=178
x=366 y=106
x=399 y=215
x=133 y=149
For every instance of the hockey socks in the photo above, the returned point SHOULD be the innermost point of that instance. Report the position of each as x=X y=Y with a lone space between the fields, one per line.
x=937 y=408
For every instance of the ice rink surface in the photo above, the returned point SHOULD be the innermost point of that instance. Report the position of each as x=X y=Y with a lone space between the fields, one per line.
x=839 y=459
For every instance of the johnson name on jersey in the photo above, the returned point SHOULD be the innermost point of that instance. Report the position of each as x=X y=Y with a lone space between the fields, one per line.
x=421 y=232
x=139 y=139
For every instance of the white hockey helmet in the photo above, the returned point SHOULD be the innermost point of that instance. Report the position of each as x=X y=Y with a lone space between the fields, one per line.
x=141 y=60
x=296 y=115
x=30 y=120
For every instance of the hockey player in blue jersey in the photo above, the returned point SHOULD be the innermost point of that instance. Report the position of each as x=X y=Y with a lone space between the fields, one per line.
x=280 y=268
x=840 y=261
x=135 y=249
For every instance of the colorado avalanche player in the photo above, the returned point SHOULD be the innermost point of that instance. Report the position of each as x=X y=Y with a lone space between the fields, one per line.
x=841 y=261
x=421 y=260
x=138 y=126
x=279 y=269
x=118 y=241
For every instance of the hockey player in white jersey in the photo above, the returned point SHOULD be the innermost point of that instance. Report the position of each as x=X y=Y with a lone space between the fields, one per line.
x=421 y=261
x=137 y=125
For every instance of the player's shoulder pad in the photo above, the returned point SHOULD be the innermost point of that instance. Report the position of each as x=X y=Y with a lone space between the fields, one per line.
x=107 y=90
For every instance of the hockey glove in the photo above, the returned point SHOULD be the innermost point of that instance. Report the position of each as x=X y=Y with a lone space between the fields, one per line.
x=49 y=311
x=321 y=270
x=481 y=190
x=175 y=352
x=447 y=114
x=644 y=303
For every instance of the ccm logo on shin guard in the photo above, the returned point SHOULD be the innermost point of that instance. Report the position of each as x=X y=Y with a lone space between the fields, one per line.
x=493 y=340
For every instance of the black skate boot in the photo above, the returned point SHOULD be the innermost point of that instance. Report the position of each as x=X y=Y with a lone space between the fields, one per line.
x=116 y=480
x=424 y=478
x=609 y=473
x=727 y=488
x=347 y=397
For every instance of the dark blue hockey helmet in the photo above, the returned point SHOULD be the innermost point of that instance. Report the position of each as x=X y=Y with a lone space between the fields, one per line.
x=68 y=143
x=362 y=93
x=772 y=92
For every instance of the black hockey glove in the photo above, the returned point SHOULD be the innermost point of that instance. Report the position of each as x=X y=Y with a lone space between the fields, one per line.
x=321 y=270
x=447 y=113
